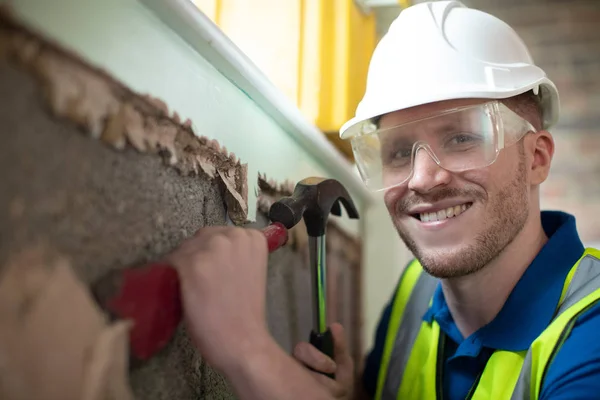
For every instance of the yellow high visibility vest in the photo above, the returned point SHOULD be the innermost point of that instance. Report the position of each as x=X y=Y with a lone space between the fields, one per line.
x=412 y=357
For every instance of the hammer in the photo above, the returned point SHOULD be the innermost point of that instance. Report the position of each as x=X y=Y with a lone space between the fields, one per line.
x=149 y=296
x=314 y=199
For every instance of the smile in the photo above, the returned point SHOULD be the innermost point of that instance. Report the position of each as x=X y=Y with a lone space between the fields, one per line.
x=446 y=213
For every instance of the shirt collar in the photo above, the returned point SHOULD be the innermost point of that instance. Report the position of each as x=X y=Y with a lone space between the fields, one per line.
x=532 y=303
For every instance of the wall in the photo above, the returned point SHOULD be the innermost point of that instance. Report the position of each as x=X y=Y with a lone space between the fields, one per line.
x=104 y=179
x=101 y=210
x=131 y=41
x=318 y=58
x=155 y=50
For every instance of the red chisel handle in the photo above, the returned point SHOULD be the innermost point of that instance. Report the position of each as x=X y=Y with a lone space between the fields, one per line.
x=276 y=234
x=150 y=297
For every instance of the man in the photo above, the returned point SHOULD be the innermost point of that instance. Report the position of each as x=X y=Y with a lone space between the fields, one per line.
x=501 y=301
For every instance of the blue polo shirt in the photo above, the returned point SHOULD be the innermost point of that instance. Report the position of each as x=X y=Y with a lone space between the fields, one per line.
x=575 y=372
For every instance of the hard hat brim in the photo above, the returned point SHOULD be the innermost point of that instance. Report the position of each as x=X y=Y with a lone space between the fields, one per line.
x=545 y=88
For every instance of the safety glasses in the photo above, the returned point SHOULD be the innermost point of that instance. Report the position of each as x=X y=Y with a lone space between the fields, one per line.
x=458 y=140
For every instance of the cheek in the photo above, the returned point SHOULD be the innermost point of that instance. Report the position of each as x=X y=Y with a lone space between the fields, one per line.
x=391 y=197
x=479 y=178
x=505 y=169
x=494 y=179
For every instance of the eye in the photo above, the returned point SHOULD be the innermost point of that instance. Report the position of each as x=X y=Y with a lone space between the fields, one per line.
x=403 y=153
x=461 y=138
x=463 y=141
x=398 y=156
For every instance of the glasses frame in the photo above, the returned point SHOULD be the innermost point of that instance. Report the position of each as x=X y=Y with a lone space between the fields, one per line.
x=501 y=116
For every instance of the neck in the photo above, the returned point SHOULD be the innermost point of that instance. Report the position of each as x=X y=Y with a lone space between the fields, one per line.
x=475 y=300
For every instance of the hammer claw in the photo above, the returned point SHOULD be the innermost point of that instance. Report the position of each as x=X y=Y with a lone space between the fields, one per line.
x=349 y=206
x=336 y=209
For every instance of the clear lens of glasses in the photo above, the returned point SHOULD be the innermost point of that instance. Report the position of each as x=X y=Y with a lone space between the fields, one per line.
x=457 y=140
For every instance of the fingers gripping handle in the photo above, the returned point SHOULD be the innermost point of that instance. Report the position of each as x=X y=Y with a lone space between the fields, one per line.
x=149 y=296
x=276 y=235
x=324 y=343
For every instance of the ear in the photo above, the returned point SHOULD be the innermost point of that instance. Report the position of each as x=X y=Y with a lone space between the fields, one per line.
x=543 y=150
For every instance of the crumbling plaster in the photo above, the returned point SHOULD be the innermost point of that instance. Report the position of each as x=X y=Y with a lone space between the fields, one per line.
x=150 y=52
x=128 y=39
x=96 y=177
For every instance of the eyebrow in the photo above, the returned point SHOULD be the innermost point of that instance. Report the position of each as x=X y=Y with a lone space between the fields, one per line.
x=441 y=127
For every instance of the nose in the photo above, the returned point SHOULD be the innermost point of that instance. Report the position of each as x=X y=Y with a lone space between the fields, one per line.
x=427 y=174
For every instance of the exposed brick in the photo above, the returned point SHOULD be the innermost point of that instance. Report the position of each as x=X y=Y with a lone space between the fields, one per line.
x=563 y=32
x=528 y=14
x=589 y=148
x=492 y=5
x=555 y=188
x=577 y=106
x=576 y=53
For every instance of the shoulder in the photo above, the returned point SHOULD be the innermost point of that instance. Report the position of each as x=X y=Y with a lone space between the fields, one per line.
x=373 y=360
x=575 y=370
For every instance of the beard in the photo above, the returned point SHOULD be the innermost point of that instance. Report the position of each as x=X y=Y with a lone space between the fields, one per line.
x=508 y=214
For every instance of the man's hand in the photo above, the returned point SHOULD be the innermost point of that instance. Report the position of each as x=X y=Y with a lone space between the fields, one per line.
x=343 y=366
x=223 y=272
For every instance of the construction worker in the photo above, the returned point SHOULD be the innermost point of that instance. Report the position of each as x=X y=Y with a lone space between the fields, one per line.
x=501 y=299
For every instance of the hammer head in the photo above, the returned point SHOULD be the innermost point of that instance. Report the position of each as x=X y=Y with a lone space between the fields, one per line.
x=314 y=199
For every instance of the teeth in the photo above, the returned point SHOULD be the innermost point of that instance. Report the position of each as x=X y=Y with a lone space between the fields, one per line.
x=443 y=214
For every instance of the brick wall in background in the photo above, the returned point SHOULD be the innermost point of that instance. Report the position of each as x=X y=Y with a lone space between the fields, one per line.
x=564 y=39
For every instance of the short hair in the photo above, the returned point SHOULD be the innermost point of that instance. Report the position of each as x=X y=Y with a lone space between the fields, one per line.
x=528 y=106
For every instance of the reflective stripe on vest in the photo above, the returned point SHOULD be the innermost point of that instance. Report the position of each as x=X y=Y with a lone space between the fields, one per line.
x=411 y=357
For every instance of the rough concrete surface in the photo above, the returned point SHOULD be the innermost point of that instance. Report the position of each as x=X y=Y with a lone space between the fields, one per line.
x=106 y=209
x=103 y=209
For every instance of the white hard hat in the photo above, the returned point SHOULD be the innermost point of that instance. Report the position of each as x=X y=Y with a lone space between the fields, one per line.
x=444 y=50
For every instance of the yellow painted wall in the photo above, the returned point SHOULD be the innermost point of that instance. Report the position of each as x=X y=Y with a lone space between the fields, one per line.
x=315 y=51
